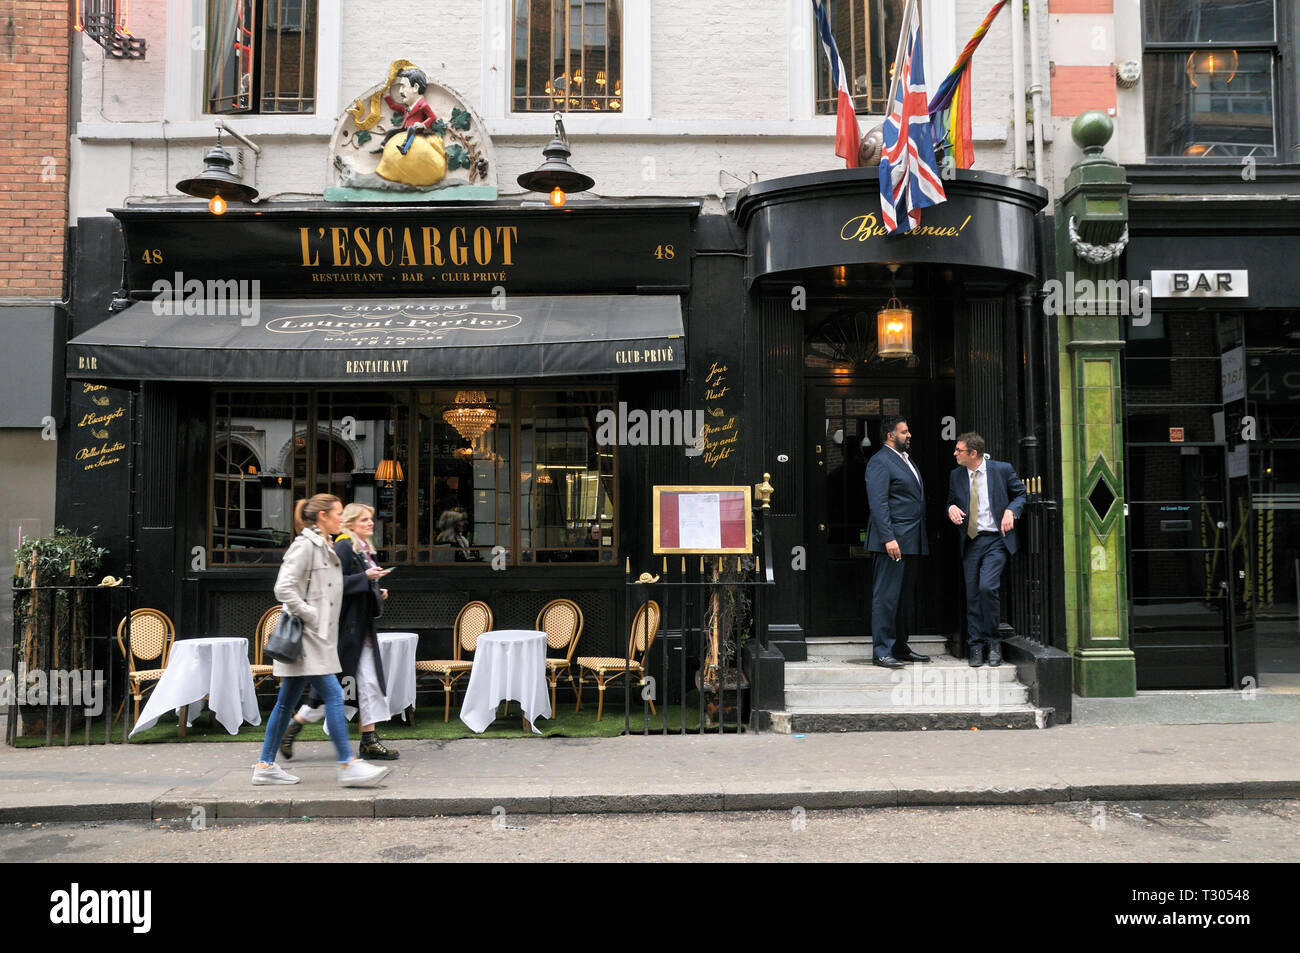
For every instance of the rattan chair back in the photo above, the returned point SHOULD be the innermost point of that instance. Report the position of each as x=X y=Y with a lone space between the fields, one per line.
x=561 y=620
x=148 y=637
x=645 y=626
x=473 y=620
x=265 y=627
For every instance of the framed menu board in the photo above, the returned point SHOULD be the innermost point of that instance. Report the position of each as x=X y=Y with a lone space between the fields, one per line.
x=710 y=520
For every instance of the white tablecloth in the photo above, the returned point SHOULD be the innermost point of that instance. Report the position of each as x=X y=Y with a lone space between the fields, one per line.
x=508 y=665
x=217 y=668
x=397 y=649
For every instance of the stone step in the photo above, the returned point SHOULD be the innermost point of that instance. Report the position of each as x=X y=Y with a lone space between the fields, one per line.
x=892 y=719
x=864 y=674
x=861 y=646
x=907 y=696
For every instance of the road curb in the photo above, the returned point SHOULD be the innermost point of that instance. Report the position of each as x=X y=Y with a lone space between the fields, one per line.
x=382 y=806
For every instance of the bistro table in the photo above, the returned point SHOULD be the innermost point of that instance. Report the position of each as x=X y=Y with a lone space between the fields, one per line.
x=509 y=665
x=397 y=649
x=216 y=668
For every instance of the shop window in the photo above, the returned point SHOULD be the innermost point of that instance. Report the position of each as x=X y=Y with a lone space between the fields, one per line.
x=568 y=56
x=566 y=478
x=260 y=56
x=866 y=35
x=436 y=464
x=1211 y=76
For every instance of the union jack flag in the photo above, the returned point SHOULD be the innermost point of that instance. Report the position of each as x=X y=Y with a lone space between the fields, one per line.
x=909 y=176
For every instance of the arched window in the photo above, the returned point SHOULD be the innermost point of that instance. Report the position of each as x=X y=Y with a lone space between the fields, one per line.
x=237 y=489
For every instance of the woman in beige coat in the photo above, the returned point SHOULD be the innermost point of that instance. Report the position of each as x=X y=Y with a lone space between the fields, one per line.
x=310 y=585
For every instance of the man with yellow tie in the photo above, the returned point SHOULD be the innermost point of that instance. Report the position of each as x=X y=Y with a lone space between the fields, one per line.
x=977 y=490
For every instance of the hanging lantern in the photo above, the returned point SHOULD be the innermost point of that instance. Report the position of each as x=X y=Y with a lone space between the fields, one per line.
x=893 y=323
x=894 y=330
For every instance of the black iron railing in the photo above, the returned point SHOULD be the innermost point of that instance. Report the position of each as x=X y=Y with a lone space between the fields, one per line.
x=80 y=675
x=694 y=648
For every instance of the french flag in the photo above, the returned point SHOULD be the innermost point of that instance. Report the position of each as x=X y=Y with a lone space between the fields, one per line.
x=847 y=141
x=909 y=176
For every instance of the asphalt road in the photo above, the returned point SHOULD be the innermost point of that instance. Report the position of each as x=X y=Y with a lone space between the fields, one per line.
x=1187 y=832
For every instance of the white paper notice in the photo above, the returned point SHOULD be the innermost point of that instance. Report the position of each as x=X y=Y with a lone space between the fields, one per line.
x=699 y=524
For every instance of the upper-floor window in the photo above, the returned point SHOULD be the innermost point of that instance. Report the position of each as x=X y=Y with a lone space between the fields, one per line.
x=866 y=33
x=1211 y=73
x=260 y=56
x=568 y=56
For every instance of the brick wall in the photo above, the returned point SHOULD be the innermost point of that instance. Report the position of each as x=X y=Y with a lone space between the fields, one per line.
x=34 y=36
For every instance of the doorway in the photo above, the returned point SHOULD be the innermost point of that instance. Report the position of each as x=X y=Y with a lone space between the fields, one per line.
x=842 y=424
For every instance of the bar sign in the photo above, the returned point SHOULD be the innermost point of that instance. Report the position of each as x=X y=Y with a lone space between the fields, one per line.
x=1201 y=283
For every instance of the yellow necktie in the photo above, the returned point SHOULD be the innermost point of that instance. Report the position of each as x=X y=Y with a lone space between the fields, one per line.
x=973 y=514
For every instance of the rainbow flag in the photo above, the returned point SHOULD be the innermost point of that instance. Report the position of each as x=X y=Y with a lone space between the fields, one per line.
x=950 y=107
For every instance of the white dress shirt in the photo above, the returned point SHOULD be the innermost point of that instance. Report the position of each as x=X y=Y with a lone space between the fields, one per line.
x=909 y=465
x=984 y=520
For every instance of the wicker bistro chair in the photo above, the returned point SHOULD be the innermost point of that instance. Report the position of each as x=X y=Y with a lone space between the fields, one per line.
x=561 y=620
x=473 y=620
x=645 y=626
x=261 y=668
x=148 y=638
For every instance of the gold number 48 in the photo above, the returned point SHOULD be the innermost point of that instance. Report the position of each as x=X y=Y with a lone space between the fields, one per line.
x=152 y=256
x=664 y=252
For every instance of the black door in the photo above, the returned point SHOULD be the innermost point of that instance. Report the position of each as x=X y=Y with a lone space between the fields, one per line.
x=1180 y=575
x=843 y=431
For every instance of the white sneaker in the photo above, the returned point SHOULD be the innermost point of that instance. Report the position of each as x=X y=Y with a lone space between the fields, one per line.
x=312 y=715
x=362 y=774
x=273 y=774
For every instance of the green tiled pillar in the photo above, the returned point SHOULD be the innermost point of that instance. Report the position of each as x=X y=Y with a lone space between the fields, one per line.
x=1090 y=304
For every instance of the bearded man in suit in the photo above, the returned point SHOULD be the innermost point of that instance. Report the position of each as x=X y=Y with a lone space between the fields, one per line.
x=985 y=498
x=896 y=537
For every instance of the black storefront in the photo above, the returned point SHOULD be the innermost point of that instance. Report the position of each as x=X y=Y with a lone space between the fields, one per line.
x=188 y=435
x=1212 y=429
x=820 y=267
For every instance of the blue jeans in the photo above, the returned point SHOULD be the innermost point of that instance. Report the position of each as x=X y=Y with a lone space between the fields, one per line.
x=328 y=688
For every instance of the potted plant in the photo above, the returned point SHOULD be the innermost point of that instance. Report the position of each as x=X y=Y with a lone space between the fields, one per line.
x=51 y=623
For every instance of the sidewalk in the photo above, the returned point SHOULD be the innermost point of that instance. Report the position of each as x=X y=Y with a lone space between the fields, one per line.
x=1100 y=758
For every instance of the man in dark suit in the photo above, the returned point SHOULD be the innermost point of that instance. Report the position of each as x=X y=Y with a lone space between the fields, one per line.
x=985 y=498
x=896 y=535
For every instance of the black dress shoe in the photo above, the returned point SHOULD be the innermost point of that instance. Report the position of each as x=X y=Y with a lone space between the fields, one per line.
x=910 y=656
x=976 y=656
x=995 y=655
x=886 y=661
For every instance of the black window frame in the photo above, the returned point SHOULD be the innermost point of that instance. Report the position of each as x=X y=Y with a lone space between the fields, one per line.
x=1286 y=89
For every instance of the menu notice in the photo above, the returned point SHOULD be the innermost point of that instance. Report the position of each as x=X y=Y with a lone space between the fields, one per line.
x=709 y=520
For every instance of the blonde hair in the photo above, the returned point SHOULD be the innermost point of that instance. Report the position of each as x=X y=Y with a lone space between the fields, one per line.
x=351 y=513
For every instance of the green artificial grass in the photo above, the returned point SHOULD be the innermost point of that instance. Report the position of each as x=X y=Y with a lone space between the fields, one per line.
x=429 y=725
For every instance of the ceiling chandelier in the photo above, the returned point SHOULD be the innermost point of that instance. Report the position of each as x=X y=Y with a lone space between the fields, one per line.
x=471 y=414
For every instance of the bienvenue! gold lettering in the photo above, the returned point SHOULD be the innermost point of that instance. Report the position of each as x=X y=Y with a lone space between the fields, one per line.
x=862 y=227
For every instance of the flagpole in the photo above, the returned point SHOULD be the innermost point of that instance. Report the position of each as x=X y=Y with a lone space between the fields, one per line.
x=898 y=54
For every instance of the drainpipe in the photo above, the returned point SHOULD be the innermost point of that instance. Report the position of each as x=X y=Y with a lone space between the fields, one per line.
x=1036 y=89
x=1018 y=88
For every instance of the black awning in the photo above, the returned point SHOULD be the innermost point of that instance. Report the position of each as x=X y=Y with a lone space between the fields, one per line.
x=385 y=339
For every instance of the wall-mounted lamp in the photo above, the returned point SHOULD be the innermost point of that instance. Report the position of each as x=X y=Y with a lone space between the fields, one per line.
x=555 y=176
x=217 y=183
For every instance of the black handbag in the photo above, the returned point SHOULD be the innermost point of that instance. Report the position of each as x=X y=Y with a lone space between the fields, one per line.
x=285 y=643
